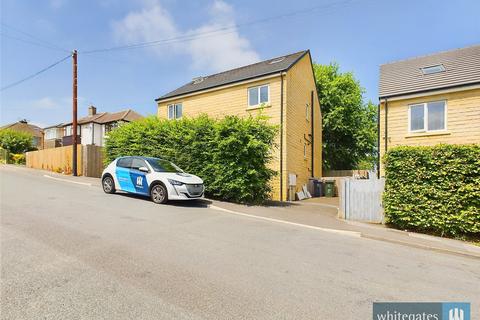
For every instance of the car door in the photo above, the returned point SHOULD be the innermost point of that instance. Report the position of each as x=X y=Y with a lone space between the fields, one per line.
x=122 y=172
x=139 y=178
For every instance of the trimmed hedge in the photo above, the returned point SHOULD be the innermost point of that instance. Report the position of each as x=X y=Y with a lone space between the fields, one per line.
x=231 y=154
x=434 y=189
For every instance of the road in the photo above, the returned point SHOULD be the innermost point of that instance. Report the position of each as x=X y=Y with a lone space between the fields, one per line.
x=69 y=251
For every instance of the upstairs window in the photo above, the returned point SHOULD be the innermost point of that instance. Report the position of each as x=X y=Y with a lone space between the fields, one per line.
x=50 y=133
x=175 y=111
x=258 y=95
x=110 y=126
x=429 y=116
x=69 y=131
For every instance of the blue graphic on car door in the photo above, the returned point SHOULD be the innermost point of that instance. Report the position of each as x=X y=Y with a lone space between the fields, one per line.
x=123 y=177
x=139 y=181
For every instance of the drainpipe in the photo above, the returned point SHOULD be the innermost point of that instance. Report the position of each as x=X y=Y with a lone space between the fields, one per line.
x=386 y=125
x=281 y=137
x=312 y=130
x=378 y=140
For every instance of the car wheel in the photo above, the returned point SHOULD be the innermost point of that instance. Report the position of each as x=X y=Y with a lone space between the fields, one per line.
x=158 y=193
x=108 y=184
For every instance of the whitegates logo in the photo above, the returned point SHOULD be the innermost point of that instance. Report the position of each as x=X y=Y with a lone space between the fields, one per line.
x=455 y=314
x=421 y=311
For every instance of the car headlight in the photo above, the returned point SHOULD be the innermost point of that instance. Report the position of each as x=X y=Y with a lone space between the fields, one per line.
x=175 y=182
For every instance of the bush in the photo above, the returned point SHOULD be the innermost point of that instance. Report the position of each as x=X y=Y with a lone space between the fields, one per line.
x=231 y=154
x=15 y=141
x=434 y=189
x=17 y=158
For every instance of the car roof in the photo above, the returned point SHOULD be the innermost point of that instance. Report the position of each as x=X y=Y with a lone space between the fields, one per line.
x=141 y=157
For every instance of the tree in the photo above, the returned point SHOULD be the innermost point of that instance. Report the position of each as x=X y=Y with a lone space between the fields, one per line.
x=15 y=141
x=349 y=124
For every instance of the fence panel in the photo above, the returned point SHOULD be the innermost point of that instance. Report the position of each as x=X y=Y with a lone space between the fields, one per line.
x=92 y=161
x=361 y=199
x=55 y=159
x=345 y=173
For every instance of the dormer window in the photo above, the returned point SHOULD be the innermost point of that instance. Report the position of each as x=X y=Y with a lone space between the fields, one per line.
x=433 y=69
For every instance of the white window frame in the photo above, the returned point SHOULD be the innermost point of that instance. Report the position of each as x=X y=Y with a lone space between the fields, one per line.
x=305 y=151
x=258 y=95
x=425 y=117
x=175 y=110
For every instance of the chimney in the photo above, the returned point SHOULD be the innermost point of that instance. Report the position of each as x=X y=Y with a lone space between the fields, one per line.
x=92 y=111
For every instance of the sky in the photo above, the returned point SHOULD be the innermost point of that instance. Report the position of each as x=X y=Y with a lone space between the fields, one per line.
x=202 y=37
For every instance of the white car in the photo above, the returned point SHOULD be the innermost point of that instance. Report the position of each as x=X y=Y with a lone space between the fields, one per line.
x=158 y=178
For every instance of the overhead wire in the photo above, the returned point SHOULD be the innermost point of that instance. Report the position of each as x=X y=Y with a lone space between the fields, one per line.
x=34 y=74
x=219 y=31
x=36 y=41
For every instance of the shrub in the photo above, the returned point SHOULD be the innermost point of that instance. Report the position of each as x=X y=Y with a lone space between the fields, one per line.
x=15 y=141
x=17 y=158
x=231 y=154
x=434 y=189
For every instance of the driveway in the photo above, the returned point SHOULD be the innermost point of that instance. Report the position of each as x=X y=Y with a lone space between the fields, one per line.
x=69 y=251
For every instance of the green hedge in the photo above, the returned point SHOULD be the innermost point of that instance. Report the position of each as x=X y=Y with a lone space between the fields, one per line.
x=231 y=154
x=434 y=189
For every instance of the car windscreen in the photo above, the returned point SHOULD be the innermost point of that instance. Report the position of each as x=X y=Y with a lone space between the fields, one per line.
x=161 y=165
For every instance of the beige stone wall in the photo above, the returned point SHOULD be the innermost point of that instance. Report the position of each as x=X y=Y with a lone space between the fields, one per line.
x=300 y=85
x=463 y=121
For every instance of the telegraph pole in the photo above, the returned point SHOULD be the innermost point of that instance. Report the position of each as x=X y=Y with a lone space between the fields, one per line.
x=74 y=107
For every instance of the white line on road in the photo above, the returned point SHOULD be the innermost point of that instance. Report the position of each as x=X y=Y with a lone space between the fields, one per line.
x=66 y=180
x=344 y=232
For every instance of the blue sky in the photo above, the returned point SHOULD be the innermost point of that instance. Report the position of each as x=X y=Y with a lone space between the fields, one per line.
x=358 y=34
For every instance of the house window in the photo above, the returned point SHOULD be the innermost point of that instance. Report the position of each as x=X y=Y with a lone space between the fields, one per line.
x=429 y=116
x=258 y=95
x=307 y=112
x=50 y=133
x=304 y=151
x=175 y=111
x=69 y=132
x=110 y=126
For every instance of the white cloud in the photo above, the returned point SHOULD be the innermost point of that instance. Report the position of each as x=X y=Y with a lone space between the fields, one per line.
x=56 y=4
x=212 y=51
x=45 y=103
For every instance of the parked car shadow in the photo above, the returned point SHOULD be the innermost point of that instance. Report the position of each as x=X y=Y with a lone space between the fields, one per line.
x=196 y=203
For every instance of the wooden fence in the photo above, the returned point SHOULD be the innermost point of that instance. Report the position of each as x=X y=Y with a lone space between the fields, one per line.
x=345 y=173
x=361 y=199
x=92 y=161
x=89 y=160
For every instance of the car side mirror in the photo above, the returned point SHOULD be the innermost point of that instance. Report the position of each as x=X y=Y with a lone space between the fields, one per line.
x=143 y=169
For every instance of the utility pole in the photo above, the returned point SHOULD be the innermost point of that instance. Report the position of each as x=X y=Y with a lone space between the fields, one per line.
x=74 y=107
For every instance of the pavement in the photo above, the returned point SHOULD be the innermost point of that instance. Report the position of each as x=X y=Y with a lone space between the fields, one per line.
x=69 y=251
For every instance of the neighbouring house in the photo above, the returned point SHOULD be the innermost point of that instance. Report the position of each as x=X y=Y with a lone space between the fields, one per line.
x=53 y=136
x=91 y=130
x=34 y=130
x=283 y=88
x=430 y=100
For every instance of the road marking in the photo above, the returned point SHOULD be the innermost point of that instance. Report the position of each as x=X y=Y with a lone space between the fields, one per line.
x=344 y=232
x=66 y=180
